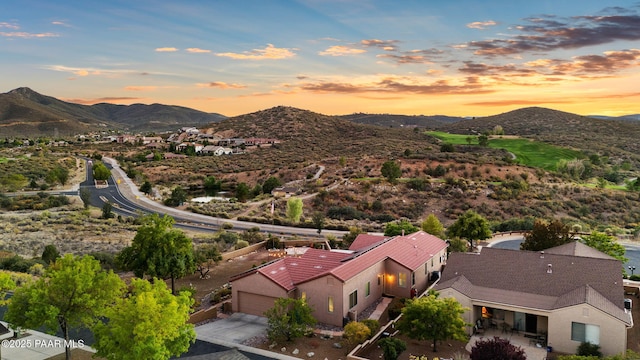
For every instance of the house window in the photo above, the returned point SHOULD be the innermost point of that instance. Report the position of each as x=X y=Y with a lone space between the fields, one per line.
x=380 y=279
x=402 y=279
x=585 y=333
x=413 y=278
x=367 y=289
x=330 y=304
x=353 y=299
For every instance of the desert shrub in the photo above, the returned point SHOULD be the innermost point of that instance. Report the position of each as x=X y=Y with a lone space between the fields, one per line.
x=107 y=260
x=227 y=237
x=392 y=347
x=356 y=332
x=226 y=226
x=241 y=244
x=17 y=263
x=372 y=324
x=589 y=349
x=344 y=213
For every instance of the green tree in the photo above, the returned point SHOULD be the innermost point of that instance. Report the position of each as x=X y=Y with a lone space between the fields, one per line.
x=159 y=250
x=50 y=254
x=496 y=348
x=242 y=192
x=391 y=170
x=396 y=228
x=431 y=225
x=6 y=285
x=100 y=171
x=458 y=245
x=146 y=187
x=148 y=323
x=432 y=318
x=348 y=238
x=178 y=197
x=470 y=226
x=606 y=244
x=212 y=185
x=483 y=140
x=58 y=174
x=294 y=209
x=205 y=257
x=85 y=196
x=270 y=184
x=545 y=235
x=318 y=221
x=288 y=319
x=73 y=292
x=107 y=210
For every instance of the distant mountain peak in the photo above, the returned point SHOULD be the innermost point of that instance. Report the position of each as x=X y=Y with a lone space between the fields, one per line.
x=24 y=91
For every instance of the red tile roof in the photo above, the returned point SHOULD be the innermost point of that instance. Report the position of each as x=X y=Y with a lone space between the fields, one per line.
x=410 y=251
x=365 y=240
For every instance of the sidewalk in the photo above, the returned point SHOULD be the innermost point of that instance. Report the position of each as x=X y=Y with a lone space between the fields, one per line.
x=35 y=345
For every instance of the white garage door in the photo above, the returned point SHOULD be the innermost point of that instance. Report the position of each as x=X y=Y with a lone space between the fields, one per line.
x=254 y=304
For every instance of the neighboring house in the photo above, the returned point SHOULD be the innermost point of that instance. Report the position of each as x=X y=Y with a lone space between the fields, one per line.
x=339 y=284
x=260 y=141
x=151 y=139
x=121 y=139
x=570 y=294
x=216 y=150
x=284 y=191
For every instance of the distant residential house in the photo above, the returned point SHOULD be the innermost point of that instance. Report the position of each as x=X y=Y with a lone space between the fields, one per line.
x=340 y=284
x=570 y=294
x=122 y=139
x=151 y=139
x=284 y=191
x=233 y=142
x=155 y=145
x=260 y=141
x=222 y=151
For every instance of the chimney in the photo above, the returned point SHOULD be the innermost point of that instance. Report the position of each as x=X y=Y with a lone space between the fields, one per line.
x=402 y=232
x=549 y=270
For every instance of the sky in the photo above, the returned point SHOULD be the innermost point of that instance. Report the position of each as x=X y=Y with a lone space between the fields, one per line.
x=414 y=57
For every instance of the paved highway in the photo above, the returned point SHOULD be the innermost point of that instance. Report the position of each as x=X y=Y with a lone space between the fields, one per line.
x=127 y=200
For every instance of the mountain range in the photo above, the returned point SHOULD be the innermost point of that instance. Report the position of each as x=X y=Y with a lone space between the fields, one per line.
x=24 y=111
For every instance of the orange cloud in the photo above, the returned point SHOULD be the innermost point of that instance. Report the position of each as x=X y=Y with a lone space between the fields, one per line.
x=146 y=88
x=221 y=85
x=269 y=53
x=166 y=49
x=101 y=100
x=198 y=51
x=340 y=50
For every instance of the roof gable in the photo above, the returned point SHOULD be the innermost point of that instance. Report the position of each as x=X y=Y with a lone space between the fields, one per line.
x=365 y=240
x=537 y=280
x=576 y=248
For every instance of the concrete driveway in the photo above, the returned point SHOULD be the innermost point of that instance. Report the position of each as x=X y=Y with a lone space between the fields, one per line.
x=235 y=329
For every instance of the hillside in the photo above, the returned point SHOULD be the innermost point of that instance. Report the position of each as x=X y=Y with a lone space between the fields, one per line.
x=24 y=112
x=605 y=137
x=395 y=121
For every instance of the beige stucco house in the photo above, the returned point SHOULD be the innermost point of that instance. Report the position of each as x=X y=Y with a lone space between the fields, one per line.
x=339 y=284
x=566 y=295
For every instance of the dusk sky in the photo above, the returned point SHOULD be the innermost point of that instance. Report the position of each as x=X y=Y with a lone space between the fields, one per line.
x=458 y=57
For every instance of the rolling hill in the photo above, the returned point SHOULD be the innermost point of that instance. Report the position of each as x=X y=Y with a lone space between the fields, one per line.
x=604 y=137
x=24 y=112
x=394 y=121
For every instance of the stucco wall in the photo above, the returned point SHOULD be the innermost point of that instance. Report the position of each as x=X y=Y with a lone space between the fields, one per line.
x=258 y=284
x=613 y=333
x=317 y=292
x=359 y=283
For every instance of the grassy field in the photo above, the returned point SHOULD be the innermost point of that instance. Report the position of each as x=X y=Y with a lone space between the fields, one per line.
x=527 y=152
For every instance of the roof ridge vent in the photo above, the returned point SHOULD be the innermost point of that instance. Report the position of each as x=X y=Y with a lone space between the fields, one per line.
x=549 y=269
x=542 y=254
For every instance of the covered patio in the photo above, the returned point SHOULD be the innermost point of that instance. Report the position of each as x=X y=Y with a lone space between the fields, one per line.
x=531 y=346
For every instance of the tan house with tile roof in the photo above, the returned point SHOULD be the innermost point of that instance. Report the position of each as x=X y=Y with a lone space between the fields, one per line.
x=340 y=284
x=564 y=295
